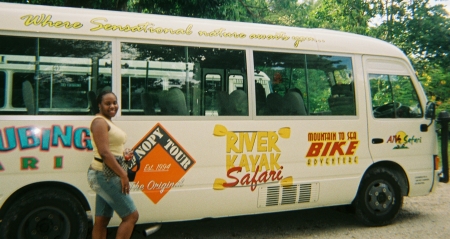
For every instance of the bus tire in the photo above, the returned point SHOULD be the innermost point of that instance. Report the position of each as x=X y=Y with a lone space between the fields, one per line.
x=45 y=213
x=379 y=197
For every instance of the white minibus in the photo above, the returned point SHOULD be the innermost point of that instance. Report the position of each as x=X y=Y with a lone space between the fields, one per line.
x=225 y=119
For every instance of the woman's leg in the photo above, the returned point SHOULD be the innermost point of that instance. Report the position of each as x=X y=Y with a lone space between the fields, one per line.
x=103 y=211
x=127 y=225
x=110 y=197
x=100 y=227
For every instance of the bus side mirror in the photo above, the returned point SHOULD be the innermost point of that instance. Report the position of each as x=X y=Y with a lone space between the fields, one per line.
x=430 y=112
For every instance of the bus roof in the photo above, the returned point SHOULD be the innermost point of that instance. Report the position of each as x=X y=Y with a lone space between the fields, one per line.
x=126 y=25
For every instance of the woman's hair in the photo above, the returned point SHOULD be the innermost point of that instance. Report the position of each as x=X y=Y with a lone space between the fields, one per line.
x=100 y=96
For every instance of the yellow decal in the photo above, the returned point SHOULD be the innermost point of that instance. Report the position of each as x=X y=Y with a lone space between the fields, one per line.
x=101 y=24
x=300 y=39
x=222 y=33
x=252 y=158
x=44 y=20
x=276 y=36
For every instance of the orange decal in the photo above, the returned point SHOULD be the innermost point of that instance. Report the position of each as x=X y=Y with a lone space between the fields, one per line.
x=159 y=164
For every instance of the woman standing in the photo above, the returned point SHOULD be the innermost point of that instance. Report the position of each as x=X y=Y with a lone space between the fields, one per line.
x=112 y=192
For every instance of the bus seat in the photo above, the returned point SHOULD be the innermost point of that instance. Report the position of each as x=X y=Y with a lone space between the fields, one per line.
x=341 y=101
x=293 y=104
x=147 y=104
x=273 y=104
x=222 y=102
x=93 y=107
x=342 y=90
x=403 y=112
x=28 y=97
x=260 y=95
x=296 y=90
x=106 y=88
x=238 y=103
x=175 y=102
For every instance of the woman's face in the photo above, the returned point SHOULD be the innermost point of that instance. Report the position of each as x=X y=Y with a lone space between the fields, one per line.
x=109 y=107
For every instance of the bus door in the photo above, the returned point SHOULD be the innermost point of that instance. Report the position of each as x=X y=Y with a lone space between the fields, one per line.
x=395 y=117
x=213 y=84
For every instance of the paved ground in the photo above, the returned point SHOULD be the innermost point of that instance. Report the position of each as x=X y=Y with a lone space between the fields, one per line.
x=421 y=217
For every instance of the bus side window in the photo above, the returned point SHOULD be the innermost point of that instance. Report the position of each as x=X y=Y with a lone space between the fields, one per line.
x=58 y=74
x=394 y=96
x=302 y=84
x=2 y=89
x=182 y=80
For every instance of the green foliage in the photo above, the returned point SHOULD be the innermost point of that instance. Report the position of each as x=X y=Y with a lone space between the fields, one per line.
x=422 y=32
x=98 y=4
x=345 y=15
x=193 y=8
x=436 y=81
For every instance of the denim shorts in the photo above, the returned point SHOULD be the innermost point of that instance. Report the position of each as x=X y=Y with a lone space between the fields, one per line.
x=109 y=195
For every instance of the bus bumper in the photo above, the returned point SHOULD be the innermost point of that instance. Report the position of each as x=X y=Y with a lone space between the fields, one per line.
x=437 y=177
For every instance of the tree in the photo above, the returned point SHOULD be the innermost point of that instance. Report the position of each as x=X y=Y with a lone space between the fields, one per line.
x=194 y=8
x=423 y=33
x=436 y=81
x=119 y=5
x=428 y=34
x=344 y=15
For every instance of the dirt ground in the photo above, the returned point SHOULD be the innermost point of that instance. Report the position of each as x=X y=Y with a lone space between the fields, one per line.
x=421 y=217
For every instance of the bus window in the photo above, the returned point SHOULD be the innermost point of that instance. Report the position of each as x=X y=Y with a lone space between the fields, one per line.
x=394 y=96
x=303 y=84
x=53 y=76
x=2 y=88
x=181 y=80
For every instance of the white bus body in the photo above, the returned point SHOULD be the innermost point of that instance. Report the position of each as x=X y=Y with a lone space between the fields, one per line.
x=225 y=118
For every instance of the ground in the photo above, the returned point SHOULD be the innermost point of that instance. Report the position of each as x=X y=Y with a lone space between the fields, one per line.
x=420 y=217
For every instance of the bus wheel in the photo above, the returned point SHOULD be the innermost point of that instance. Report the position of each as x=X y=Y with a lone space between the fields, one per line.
x=45 y=213
x=379 y=197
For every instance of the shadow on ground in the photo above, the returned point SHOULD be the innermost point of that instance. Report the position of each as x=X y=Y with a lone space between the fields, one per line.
x=255 y=226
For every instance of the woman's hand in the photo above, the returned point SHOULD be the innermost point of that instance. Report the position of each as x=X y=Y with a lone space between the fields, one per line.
x=125 y=184
x=128 y=154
